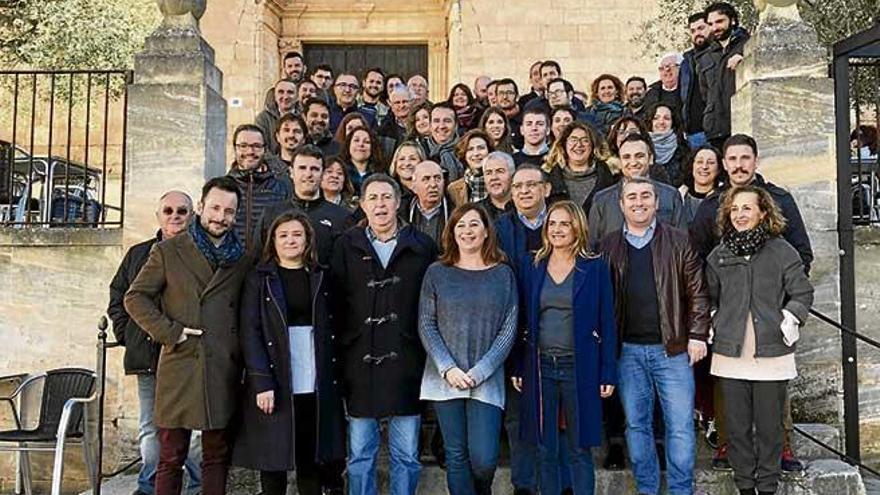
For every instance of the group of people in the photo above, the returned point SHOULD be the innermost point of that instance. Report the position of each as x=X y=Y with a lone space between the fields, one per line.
x=578 y=275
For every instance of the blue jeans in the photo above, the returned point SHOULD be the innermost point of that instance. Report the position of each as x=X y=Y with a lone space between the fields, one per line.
x=558 y=392
x=645 y=373
x=470 y=438
x=696 y=140
x=523 y=455
x=363 y=449
x=149 y=443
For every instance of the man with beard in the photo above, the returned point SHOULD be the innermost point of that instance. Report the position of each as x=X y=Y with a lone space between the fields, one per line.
x=345 y=89
x=285 y=97
x=186 y=298
x=328 y=220
x=418 y=86
x=260 y=186
x=373 y=83
x=428 y=210
x=481 y=85
x=535 y=129
x=537 y=85
x=322 y=76
x=394 y=125
x=317 y=114
x=305 y=90
x=692 y=103
x=716 y=68
x=506 y=92
x=666 y=89
x=440 y=145
x=498 y=169
x=293 y=68
x=290 y=132
x=634 y=90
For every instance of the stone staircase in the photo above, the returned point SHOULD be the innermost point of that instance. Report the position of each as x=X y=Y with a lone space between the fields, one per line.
x=823 y=475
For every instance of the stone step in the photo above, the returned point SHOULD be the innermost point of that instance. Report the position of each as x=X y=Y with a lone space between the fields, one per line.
x=822 y=477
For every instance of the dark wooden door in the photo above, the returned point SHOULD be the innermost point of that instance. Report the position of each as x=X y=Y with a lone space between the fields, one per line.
x=406 y=60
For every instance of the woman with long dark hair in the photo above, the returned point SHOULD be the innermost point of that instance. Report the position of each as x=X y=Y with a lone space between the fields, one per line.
x=467 y=323
x=289 y=362
x=494 y=123
x=467 y=113
x=336 y=186
x=703 y=177
x=670 y=145
x=362 y=155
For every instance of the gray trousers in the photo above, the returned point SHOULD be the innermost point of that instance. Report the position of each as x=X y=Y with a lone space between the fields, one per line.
x=753 y=411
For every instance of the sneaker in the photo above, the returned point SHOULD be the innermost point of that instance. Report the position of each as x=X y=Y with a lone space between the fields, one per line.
x=790 y=463
x=719 y=460
x=615 y=460
x=711 y=434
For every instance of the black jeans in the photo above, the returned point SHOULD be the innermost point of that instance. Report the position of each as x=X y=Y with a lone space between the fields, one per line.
x=754 y=458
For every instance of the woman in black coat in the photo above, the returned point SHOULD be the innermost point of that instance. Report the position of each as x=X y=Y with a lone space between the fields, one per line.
x=290 y=362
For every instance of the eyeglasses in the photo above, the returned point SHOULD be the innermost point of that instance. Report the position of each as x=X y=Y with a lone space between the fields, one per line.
x=182 y=211
x=669 y=67
x=505 y=92
x=350 y=86
x=584 y=141
x=557 y=92
x=529 y=184
x=247 y=146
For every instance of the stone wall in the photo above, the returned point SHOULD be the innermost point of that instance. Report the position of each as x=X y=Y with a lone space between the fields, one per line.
x=55 y=285
x=867 y=260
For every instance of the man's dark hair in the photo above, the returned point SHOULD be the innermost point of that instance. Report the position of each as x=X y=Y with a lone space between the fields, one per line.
x=636 y=78
x=725 y=9
x=290 y=55
x=508 y=81
x=638 y=138
x=740 y=140
x=247 y=128
x=493 y=82
x=290 y=117
x=536 y=110
x=552 y=63
x=697 y=16
x=309 y=150
x=377 y=70
x=315 y=101
x=531 y=166
x=224 y=183
x=565 y=84
x=382 y=178
x=442 y=105
x=321 y=66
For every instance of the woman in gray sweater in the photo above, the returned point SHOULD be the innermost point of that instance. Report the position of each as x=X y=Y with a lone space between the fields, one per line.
x=762 y=296
x=467 y=323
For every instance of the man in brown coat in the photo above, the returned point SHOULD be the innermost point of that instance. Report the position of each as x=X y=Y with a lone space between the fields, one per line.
x=186 y=297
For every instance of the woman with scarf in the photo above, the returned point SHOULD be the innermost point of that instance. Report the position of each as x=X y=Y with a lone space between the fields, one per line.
x=495 y=124
x=670 y=145
x=292 y=413
x=760 y=298
x=362 y=155
x=471 y=149
x=606 y=94
x=467 y=113
x=577 y=165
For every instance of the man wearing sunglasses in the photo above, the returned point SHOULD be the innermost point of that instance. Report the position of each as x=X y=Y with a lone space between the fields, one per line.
x=174 y=213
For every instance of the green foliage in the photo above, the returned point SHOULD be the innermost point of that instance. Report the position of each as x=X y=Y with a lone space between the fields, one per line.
x=74 y=34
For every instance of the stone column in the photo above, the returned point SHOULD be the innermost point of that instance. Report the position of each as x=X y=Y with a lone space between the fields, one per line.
x=785 y=100
x=176 y=117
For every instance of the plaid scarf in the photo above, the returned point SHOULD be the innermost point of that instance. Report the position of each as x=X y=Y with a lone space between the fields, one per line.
x=476 y=185
x=228 y=252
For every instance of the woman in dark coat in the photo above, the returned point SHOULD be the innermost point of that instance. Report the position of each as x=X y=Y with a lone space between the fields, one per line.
x=670 y=146
x=568 y=362
x=289 y=362
x=577 y=165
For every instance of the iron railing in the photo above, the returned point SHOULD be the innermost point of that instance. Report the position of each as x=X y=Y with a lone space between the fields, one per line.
x=62 y=147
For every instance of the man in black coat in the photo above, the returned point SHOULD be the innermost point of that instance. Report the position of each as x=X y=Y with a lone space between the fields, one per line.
x=174 y=212
x=327 y=219
x=377 y=273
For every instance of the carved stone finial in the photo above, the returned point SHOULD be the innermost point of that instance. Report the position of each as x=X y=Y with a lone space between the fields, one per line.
x=182 y=13
x=778 y=8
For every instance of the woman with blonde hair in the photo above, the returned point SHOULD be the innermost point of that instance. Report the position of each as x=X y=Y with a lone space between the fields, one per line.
x=577 y=165
x=403 y=165
x=568 y=362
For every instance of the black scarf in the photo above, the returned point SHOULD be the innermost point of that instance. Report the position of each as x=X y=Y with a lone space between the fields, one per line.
x=746 y=242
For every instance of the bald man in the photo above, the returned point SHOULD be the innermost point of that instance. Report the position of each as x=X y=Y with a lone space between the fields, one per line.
x=481 y=87
x=428 y=210
x=174 y=212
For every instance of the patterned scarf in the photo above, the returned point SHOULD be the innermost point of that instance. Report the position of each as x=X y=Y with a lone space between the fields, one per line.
x=746 y=242
x=228 y=252
x=476 y=185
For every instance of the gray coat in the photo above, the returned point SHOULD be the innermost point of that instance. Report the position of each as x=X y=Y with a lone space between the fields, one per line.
x=769 y=281
x=606 y=216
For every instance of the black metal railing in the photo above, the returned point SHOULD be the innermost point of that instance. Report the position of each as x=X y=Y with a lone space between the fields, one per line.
x=62 y=147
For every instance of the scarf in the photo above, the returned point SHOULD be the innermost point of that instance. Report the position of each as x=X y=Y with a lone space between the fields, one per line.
x=228 y=252
x=444 y=154
x=665 y=144
x=476 y=185
x=466 y=116
x=746 y=242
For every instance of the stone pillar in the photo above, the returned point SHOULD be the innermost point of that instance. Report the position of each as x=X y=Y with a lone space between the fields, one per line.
x=176 y=118
x=785 y=100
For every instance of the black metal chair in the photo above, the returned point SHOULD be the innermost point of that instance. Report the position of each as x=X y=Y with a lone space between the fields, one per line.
x=65 y=394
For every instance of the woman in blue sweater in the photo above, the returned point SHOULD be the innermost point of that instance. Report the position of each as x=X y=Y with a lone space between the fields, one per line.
x=467 y=323
x=569 y=360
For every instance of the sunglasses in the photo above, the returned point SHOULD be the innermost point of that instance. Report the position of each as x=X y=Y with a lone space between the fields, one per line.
x=183 y=211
